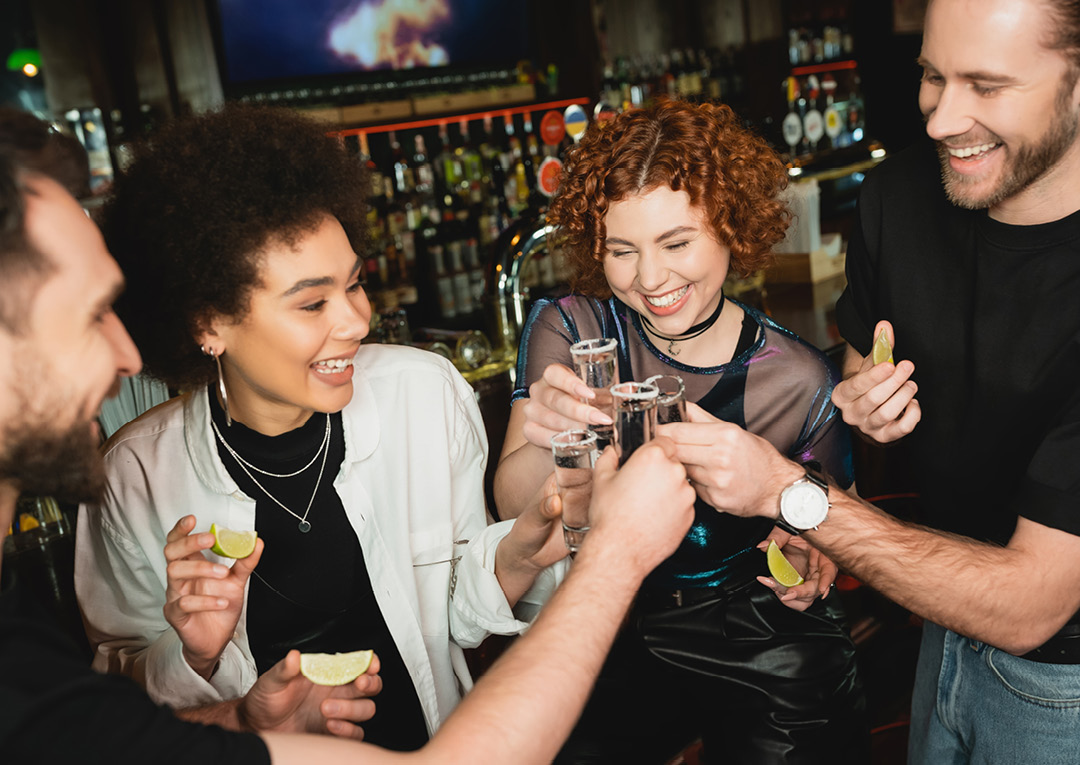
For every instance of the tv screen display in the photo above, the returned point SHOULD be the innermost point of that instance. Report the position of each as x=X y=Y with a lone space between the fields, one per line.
x=275 y=42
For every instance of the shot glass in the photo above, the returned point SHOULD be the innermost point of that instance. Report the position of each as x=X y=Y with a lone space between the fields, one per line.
x=671 y=402
x=596 y=364
x=635 y=416
x=575 y=453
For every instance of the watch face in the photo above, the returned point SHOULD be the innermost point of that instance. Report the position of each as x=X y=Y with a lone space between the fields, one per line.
x=804 y=505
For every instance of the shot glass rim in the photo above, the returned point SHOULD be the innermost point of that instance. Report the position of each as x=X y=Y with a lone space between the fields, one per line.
x=667 y=398
x=589 y=438
x=650 y=392
x=603 y=345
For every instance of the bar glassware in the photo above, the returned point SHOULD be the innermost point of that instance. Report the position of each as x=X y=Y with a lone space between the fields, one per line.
x=635 y=416
x=671 y=402
x=575 y=453
x=596 y=364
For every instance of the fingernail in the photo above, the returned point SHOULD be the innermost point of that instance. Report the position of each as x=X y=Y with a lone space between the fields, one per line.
x=220 y=570
x=599 y=418
x=331 y=709
x=583 y=391
x=222 y=603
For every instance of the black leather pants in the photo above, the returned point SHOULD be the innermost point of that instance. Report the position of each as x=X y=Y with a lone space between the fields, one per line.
x=758 y=682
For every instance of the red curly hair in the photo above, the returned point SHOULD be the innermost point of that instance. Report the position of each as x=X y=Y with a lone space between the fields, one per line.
x=702 y=149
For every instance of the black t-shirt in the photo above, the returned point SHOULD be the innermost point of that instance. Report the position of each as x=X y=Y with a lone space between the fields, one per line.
x=311 y=591
x=990 y=315
x=55 y=709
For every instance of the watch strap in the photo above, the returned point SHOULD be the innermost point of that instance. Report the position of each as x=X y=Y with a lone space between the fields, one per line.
x=785 y=526
x=815 y=474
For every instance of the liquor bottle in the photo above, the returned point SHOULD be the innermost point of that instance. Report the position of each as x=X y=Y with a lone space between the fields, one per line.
x=472 y=165
x=448 y=163
x=404 y=183
x=609 y=89
x=530 y=158
x=477 y=280
x=423 y=173
x=516 y=187
x=374 y=176
x=459 y=277
x=444 y=285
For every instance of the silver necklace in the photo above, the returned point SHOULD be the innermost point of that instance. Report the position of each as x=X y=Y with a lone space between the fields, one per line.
x=242 y=461
x=304 y=526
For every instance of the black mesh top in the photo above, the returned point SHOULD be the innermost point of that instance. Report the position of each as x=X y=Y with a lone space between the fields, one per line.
x=776 y=386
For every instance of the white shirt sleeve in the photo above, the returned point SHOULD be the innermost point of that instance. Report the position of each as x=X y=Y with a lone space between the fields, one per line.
x=120 y=583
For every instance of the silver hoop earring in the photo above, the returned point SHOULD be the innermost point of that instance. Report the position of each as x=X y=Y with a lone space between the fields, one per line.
x=221 y=387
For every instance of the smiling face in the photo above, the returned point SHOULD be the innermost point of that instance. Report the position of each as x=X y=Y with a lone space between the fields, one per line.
x=67 y=359
x=662 y=259
x=292 y=353
x=1003 y=107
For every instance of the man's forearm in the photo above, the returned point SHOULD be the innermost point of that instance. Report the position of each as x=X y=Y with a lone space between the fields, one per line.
x=1010 y=597
x=525 y=706
x=225 y=714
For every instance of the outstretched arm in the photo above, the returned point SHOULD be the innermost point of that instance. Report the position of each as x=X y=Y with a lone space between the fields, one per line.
x=523 y=708
x=1013 y=597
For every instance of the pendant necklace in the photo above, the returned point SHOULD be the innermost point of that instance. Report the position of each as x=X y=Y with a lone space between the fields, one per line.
x=698 y=329
x=324 y=449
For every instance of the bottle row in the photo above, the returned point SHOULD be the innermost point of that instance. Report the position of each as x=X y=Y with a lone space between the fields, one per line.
x=436 y=207
x=715 y=74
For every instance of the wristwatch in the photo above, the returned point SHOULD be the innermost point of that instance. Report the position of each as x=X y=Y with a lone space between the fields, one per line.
x=805 y=504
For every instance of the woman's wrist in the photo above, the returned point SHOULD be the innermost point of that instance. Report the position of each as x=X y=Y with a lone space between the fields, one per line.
x=204 y=668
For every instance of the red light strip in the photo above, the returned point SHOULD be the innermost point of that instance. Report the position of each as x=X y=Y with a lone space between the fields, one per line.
x=819 y=68
x=458 y=117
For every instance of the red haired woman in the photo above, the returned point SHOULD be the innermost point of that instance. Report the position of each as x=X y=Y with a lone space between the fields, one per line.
x=657 y=207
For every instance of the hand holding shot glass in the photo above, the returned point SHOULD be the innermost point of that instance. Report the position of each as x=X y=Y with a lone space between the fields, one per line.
x=575 y=454
x=597 y=366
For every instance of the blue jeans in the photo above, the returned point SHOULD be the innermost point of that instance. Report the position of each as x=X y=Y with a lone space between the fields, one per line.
x=974 y=703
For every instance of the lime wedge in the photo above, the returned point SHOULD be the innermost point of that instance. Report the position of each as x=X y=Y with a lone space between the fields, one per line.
x=782 y=571
x=882 y=350
x=232 y=544
x=334 y=668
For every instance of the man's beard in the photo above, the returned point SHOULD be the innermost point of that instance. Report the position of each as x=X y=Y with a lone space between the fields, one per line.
x=45 y=460
x=1030 y=162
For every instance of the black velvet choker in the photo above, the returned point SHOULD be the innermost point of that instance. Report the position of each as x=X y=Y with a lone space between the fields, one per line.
x=698 y=329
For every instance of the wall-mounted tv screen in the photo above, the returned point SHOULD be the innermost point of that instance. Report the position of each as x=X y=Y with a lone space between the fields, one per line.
x=268 y=44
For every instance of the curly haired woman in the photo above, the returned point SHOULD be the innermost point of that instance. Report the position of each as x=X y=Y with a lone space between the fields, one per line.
x=361 y=467
x=656 y=208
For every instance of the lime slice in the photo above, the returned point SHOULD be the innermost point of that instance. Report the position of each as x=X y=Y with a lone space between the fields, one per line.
x=334 y=668
x=232 y=544
x=782 y=571
x=882 y=350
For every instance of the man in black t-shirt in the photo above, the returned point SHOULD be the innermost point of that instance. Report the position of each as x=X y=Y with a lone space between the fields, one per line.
x=966 y=254
x=62 y=350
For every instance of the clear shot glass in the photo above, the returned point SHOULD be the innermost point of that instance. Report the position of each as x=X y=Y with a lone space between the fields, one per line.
x=575 y=454
x=671 y=401
x=596 y=363
x=635 y=416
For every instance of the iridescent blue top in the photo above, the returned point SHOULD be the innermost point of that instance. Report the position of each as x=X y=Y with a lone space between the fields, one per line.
x=776 y=386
